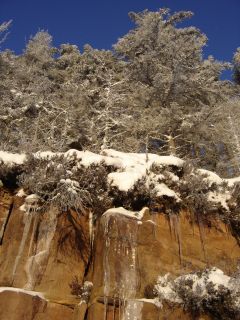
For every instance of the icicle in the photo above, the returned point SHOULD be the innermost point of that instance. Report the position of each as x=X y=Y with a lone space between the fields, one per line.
x=175 y=228
x=171 y=227
x=119 y=309
x=120 y=235
x=4 y=220
x=229 y=229
x=27 y=224
x=192 y=222
x=132 y=310
x=36 y=263
x=114 y=308
x=35 y=223
x=155 y=225
x=202 y=236
x=91 y=231
x=179 y=238
x=106 y=267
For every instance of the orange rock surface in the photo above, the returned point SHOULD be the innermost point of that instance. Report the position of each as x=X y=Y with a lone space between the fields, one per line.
x=42 y=252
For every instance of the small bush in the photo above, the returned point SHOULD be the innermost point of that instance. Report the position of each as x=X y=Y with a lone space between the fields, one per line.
x=66 y=184
x=218 y=302
x=81 y=291
x=76 y=287
x=198 y=293
x=8 y=175
x=150 y=291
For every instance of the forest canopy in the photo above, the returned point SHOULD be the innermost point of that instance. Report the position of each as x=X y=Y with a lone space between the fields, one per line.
x=153 y=92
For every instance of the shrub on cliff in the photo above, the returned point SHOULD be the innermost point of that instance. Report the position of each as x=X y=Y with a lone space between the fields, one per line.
x=205 y=292
x=219 y=303
x=150 y=291
x=65 y=183
x=79 y=290
x=9 y=174
x=82 y=179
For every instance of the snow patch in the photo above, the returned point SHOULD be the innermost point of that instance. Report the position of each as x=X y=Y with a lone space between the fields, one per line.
x=46 y=155
x=211 y=177
x=129 y=158
x=165 y=290
x=152 y=301
x=130 y=214
x=31 y=203
x=163 y=190
x=12 y=159
x=220 y=198
x=128 y=169
x=124 y=181
x=21 y=193
x=232 y=181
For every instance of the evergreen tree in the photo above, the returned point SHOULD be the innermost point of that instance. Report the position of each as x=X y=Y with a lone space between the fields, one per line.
x=154 y=91
x=181 y=88
x=236 y=70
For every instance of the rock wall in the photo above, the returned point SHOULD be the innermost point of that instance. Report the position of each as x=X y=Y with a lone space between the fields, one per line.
x=25 y=305
x=129 y=255
x=41 y=253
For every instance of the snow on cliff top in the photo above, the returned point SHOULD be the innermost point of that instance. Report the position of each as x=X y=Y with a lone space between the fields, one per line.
x=110 y=157
x=123 y=160
x=12 y=159
x=130 y=168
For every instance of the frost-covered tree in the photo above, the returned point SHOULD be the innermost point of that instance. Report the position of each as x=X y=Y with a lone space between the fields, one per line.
x=178 y=84
x=169 y=59
x=4 y=61
x=4 y=30
x=104 y=106
x=225 y=135
x=28 y=104
x=153 y=92
x=236 y=70
x=39 y=49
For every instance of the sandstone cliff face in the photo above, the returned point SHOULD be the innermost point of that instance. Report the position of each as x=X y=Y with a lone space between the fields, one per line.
x=41 y=253
x=130 y=255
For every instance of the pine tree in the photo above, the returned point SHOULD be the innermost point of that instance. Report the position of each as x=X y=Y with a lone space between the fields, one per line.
x=236 y=70
x=179 y=85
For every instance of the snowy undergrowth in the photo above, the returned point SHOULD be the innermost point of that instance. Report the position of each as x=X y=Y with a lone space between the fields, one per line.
x=209 y=291
x=113 y=178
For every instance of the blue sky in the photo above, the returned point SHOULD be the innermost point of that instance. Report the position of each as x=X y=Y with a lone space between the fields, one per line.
x=101 y=22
